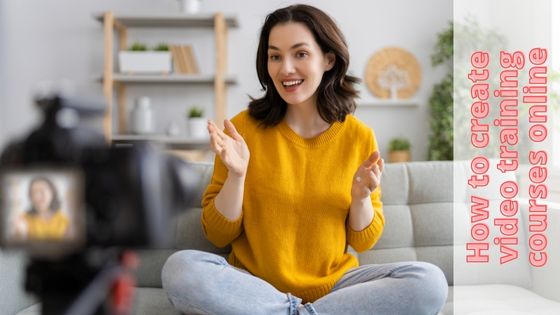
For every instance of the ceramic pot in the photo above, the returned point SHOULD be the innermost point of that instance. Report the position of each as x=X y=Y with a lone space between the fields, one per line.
x=196 y=127
x=399 y=156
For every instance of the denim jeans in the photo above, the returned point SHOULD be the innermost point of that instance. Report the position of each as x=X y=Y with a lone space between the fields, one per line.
x=197 y=282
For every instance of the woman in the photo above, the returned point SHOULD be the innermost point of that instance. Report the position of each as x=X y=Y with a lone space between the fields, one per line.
x=44 y=221
x=296 y=180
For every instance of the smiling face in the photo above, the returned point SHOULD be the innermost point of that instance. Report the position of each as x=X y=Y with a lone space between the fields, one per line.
x=296 y=63
x=41 y=196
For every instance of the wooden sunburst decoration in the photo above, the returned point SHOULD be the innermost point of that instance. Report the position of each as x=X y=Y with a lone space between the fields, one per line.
x=393 y=73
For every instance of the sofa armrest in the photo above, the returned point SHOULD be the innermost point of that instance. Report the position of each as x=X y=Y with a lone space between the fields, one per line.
x=13 y=297
x=546 y=279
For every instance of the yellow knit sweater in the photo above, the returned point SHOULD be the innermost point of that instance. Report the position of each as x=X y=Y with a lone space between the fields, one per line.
x=53 y=228
x=293 y=231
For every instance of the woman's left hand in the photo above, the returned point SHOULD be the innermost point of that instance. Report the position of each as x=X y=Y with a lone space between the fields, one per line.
x=367 y=177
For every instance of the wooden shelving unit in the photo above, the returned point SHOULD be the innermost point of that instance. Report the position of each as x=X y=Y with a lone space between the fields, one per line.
x=171 y=78
x=389 y=103
x=168 y=20
x=117 y=25
x=172 y=143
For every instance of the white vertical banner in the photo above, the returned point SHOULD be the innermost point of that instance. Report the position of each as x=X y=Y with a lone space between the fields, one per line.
x=506 y=227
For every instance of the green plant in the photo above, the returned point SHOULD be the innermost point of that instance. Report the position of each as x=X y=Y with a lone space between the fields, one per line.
x=195 y=112
x=443 y=50
x=137 y=46
x=441 y=101
x=161 y=47
x=399 y=144
x=441 y=106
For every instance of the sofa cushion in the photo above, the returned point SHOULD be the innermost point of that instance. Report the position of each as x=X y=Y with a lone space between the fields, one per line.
x=430 y=182
x=401 y=233
x=432 y=224
x=150 y=265
x=418 y=215
x=441 y=256
x=188 y=235
x=448 y=306
x=204 y=172
x=395 y=184
x=152 y=301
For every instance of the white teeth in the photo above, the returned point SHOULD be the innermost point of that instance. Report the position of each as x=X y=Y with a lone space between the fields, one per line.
x=291 y=83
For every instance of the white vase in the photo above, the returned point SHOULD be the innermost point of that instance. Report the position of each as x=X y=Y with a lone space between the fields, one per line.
x=172 y=129
x=190 y=6
x=141 y=117
x=196 y=128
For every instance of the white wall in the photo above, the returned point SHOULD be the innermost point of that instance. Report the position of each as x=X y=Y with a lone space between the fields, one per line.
x=55 y=39
x=2 y=77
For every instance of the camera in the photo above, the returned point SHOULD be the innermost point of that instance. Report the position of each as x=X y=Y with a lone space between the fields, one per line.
x=77 y=204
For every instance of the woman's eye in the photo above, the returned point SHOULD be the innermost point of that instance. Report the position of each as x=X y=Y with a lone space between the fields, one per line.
x=301 y=54
x=274 y=57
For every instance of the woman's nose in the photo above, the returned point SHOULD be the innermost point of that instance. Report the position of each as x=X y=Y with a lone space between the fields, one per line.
x=287 y=67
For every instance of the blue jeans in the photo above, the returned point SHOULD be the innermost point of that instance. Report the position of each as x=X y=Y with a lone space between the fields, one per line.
x=197 y=282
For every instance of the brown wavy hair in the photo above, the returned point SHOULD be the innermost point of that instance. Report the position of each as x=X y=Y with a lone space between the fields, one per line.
x=55 y=204
x=336 y=93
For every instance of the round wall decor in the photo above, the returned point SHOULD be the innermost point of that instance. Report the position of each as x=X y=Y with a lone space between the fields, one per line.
x=393 y=72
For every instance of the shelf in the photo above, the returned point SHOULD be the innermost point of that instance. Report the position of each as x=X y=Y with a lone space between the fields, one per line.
x=169 y=78
x=168 y=20
x=115 y=36
x=389 y=103
x=174 y=143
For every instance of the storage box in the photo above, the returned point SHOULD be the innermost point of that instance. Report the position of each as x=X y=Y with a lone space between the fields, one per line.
x=145 y=62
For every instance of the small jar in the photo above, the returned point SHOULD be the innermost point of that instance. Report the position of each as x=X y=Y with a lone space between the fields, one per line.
x=142 y=119
x=190 y=6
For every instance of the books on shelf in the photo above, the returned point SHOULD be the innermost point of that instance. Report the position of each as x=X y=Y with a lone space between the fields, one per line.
x=184 y=61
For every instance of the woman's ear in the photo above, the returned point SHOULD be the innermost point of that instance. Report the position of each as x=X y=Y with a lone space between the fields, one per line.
x=330 y=58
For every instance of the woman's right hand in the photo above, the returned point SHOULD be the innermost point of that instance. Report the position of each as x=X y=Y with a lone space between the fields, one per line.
x=20 y=225
x=232 y=150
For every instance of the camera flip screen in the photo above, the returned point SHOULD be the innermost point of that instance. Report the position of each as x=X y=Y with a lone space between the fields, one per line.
x=42 y=210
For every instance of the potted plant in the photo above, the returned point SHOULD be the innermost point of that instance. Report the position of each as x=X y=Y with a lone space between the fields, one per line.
x=138 y=59
x=161 y=47
x=399 y=150
x=196 y=123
